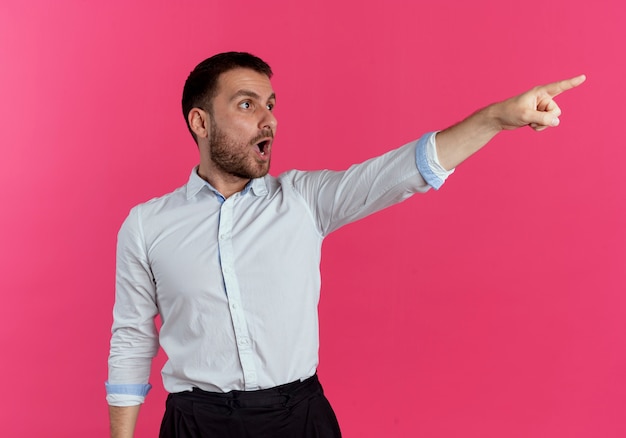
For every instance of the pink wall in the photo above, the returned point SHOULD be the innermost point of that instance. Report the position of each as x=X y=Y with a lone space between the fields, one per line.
x=495 y=307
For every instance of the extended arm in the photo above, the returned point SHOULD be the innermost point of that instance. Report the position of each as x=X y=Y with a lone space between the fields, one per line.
x=535 y=108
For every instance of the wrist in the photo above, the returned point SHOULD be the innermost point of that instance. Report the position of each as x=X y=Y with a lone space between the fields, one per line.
x=491 y=118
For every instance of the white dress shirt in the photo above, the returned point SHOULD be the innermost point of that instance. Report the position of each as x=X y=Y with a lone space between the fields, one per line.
x=236 y=281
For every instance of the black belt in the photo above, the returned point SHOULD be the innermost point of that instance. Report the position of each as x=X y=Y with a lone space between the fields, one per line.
x=288 y=393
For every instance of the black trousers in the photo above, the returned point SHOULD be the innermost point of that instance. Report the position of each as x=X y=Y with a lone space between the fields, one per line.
x=294 y=410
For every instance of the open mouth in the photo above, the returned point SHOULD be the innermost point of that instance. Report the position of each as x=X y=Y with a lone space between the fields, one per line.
x=263 y=147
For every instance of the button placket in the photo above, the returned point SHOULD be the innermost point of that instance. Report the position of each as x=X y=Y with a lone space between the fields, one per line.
x=227 y=258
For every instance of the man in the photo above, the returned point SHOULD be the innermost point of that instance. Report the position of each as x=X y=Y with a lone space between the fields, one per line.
x=230 y=261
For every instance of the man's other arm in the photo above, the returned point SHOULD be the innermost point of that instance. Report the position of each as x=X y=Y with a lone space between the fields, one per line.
x=134 y=339
x=123 y=420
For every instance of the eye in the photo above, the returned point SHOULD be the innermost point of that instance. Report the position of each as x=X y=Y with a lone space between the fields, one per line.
x=270 y=106
x=245 y=105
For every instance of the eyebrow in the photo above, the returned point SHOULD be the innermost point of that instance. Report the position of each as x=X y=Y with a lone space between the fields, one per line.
x=252 y=94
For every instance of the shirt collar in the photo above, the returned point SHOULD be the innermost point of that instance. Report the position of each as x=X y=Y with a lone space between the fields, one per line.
x=257 y=186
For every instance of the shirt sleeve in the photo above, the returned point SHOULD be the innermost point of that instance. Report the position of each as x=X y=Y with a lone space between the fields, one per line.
x=337 y=198
x=134 y=340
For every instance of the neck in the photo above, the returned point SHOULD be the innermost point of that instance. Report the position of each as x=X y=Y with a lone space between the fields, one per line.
x=226 y=185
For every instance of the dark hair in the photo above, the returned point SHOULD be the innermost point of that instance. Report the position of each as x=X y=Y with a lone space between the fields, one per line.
x=201 y=84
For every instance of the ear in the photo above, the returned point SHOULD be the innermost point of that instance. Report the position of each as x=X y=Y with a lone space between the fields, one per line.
x=199 y=122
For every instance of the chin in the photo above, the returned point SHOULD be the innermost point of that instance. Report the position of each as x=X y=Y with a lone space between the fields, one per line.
x=261 y=172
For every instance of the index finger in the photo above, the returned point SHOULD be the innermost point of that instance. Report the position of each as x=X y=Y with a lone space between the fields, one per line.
x=556 y=88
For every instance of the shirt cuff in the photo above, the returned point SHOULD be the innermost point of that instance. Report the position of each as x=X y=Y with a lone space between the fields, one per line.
x=127 y=394
x=428 y=162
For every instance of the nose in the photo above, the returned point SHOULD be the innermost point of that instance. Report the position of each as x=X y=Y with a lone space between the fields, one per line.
x=268 y=120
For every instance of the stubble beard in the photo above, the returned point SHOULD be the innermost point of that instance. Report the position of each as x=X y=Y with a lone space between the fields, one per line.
x=228 y=156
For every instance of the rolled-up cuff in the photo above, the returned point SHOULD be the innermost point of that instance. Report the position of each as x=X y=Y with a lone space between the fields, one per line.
x=127 y=394
x=428 y=162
